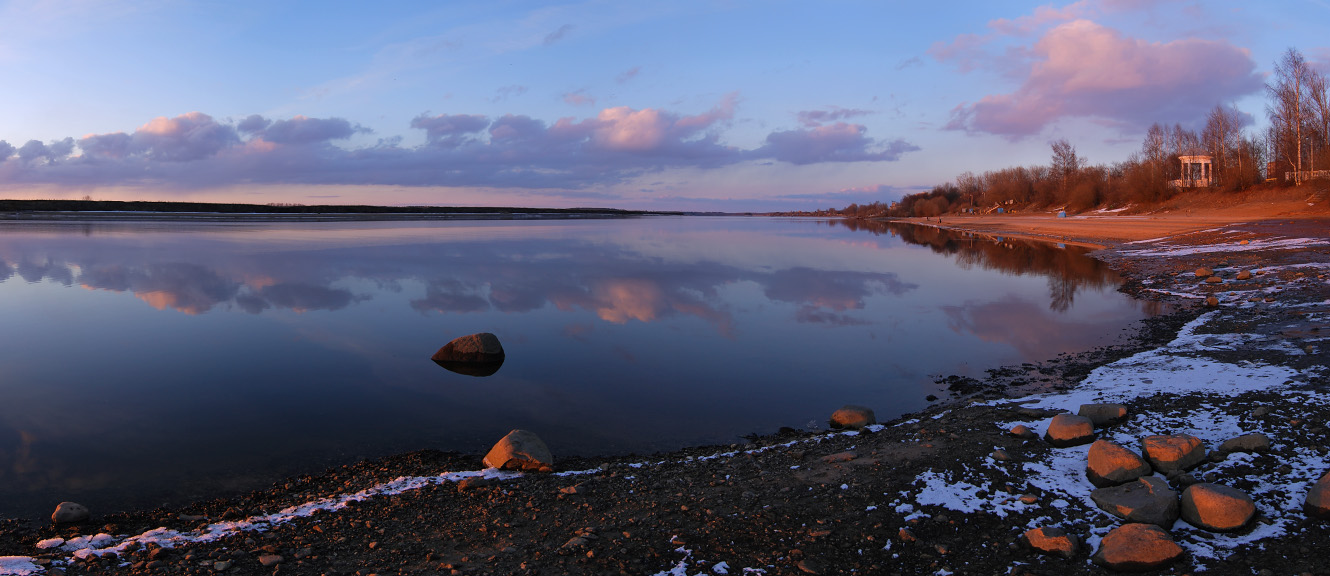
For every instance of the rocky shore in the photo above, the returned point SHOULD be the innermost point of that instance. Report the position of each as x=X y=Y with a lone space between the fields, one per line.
x=1208 y=431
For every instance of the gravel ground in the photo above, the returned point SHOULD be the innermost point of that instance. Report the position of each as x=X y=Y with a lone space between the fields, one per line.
x=920 y=495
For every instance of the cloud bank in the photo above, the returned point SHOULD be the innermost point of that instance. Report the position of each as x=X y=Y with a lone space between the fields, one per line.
x=1068 y=66
x=195 y=150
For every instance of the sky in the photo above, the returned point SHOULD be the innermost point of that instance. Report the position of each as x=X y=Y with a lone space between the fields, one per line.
x=712 y=106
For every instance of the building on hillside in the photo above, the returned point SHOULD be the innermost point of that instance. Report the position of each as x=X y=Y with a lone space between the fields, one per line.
x=1197 y=172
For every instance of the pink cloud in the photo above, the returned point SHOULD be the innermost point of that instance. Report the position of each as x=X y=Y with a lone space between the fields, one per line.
x=1082 y=69
x=1042 y=16
x=195 y=151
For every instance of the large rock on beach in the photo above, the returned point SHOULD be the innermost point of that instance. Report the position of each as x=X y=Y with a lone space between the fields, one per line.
x=1173 y=451
x=1204 y=272
x=853 y=417
x=1244 y=275
x=1148 y=500
x=1137 y=548
x=520 y=450
x=474 y=355
x=1318 y=498
x=1103 y=414
x=70 y=513
x=1255 y=442
x=1110 y=464
x=1216 y=508
x=1069 y=430
x=1052 y=540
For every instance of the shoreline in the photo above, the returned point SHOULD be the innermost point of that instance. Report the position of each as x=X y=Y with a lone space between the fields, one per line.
x=845 y=503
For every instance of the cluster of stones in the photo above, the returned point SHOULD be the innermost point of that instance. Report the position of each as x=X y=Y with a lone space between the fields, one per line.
x=1126 y=486
x=1210 y=277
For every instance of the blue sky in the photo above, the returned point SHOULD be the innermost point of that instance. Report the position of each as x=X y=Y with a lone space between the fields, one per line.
x=682 y=105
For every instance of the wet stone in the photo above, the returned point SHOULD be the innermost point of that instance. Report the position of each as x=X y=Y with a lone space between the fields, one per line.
x=853 y=417
x=520 y=450
x=70 y=513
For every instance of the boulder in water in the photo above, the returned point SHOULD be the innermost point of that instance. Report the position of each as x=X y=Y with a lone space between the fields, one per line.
x=474 y=355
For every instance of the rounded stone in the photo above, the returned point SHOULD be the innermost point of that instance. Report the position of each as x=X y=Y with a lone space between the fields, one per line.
x=853 y=417
x=1110 y=464
x=1147 y=500
x=482 y=348
x=1214 y=280
x=1103 y=414
x=1137 y=548
x=1244 y=275
x=520 y=450
x=70 y=513
x=1216 y=508
x=1255 y=442
x=1069 y=430
x=1023 y=432
x=1052 y=540
x=1173 y=451
x=1318 y=498
x=1211 y=301
x=1204 y=272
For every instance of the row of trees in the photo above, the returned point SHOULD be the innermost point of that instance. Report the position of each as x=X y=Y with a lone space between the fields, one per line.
x=1298 y=139
x=1299 y=113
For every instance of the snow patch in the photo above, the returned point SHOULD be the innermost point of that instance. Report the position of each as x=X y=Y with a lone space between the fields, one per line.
x=18 y=566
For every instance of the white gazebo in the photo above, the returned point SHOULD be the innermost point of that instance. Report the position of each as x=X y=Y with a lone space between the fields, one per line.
x=1197 y=172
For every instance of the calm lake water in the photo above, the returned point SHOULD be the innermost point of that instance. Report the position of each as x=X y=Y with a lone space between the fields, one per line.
x=153 y=363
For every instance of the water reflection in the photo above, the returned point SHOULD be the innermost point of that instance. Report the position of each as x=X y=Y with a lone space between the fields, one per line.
x=618 y=287
x=200 y=342
x=1067 y=267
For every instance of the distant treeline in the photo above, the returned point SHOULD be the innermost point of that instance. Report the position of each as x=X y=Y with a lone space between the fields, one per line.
x=22 y=206
x=1297 y=142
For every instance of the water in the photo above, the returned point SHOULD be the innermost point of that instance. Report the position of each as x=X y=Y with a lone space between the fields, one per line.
x=156 y=363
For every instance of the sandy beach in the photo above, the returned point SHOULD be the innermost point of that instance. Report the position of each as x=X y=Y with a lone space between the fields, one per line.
x=947 y=491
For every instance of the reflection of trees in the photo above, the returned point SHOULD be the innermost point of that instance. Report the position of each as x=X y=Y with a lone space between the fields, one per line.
x=1068 y=269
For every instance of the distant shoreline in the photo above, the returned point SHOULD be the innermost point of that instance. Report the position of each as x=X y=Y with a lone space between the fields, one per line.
x=99 y=210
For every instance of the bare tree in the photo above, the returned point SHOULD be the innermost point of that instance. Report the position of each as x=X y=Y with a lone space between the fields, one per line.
x=1221 y=137
x=1154 y=151
x=1318 y=100
x=1288 y=94
x=1065 y=163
